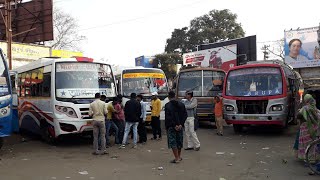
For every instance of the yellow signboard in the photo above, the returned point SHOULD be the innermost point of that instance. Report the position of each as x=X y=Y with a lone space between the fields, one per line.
x=24 y=51
x=65 y=54
x=143 y=75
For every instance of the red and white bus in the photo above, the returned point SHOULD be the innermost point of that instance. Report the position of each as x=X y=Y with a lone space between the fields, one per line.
x=54 y=94
x=263 y=93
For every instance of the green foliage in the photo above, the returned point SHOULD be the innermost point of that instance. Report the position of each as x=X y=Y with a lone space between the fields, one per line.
x=217 y=25
x=168 y=63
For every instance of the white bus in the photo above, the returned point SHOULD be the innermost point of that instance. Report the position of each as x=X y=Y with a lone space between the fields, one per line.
x=143 y=81
x=54 y=94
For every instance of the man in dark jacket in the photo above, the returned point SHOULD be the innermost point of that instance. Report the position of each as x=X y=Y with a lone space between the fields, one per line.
x=132 y=113
x=175 y=116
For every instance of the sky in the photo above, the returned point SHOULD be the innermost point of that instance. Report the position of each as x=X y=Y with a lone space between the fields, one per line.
x=119 y=31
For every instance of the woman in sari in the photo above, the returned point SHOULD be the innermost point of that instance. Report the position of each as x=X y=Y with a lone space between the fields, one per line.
x=309 y=117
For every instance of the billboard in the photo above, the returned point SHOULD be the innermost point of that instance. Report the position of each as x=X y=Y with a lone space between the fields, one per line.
x=302 y=47
x=31 y=21
x=224 y=57
x=145 y=61
x=246 y=48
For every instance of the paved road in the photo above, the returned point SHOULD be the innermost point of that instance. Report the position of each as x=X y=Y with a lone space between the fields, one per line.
x=255 y=154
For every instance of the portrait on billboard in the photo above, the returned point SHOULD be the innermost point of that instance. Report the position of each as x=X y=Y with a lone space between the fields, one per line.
x=302 y=47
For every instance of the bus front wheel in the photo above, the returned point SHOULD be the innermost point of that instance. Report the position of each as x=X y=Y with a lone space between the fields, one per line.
x=237 y=128
x=1 y=142
x=46 y=135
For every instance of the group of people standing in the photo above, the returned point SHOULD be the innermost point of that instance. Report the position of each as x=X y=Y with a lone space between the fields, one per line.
x=180 y=116
x=113 y=115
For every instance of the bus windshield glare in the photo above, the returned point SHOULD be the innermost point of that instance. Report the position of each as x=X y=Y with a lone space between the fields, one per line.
x=192 y=81
x=261 y=81
x=144 y=83
x=4 y=88
x=83 y=80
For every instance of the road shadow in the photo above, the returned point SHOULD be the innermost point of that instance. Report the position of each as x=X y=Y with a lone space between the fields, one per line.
x=269 y=131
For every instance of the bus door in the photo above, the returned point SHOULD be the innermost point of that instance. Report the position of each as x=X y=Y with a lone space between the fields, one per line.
x=293 y=98
x=14 y=83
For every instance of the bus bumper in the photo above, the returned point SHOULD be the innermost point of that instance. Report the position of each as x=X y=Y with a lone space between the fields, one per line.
x=74 y=126
x=257 y=119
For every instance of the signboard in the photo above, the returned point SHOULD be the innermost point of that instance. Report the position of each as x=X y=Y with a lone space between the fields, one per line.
x=143 y=75
x=65 y=54
x=144 y=61
x=23 y=51
x=224 y=57
x=302 y=47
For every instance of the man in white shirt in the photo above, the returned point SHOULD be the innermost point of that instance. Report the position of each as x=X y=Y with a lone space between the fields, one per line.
x=98 y=110
x=141 y=127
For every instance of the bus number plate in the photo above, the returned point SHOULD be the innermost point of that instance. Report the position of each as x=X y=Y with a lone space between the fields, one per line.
x=251 y=117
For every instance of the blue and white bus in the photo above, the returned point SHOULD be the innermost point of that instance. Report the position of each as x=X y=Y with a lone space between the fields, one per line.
x=5 y=100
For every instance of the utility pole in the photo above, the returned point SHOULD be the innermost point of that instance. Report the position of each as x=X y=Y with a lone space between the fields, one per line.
x=265 y=52
x=8 y=24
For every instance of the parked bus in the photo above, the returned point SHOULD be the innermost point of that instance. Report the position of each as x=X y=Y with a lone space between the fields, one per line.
x=265 y=93
x=143 y=81
x=5 y=100
x=54 y=94
x=205 y=84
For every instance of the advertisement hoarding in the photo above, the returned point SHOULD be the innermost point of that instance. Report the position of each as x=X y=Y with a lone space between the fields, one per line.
x=302 y=47
x=145 y=61
x=224 y=57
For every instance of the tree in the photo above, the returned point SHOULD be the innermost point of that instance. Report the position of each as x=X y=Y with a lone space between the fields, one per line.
x=168 y=63
x=277 y=49
x=66 y=34
x=217 y=25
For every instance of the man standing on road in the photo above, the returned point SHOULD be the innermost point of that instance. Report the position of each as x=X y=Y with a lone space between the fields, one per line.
x=155 y=116
x=110 y=124
x=175 y=116
x=98 y=110
x=192 y=138
x=132 y=112
x=218 y=113
x=119 y=119
x=141 y=127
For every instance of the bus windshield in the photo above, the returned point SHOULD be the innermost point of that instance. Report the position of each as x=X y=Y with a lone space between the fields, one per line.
x=192 y=81
x=144 y=82
x=83 y=80
x=4 y=81
x=260 y=81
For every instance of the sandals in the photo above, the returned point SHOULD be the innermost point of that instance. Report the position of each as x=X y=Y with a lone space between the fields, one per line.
x=176 y=162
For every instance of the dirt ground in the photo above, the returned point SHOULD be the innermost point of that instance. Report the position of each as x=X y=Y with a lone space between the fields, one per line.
x=258 y=153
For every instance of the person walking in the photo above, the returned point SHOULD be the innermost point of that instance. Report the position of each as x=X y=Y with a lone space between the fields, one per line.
x=98 y=110
x=175 y=117
x=155 y=116
x=110 y=122
x=119 y=119
x=141 y=127
x=132 y=112
x=309 y=117
x=218 y=113
x=192 y=139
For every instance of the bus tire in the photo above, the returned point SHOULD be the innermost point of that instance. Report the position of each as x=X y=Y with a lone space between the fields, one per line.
x=45 y=134
x=1 y=142
x=237 y=128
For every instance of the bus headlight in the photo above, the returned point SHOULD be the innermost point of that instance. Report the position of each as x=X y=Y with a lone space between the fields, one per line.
x=67 y=111
x=278 y=107
x=4 y=111
x=229 y=108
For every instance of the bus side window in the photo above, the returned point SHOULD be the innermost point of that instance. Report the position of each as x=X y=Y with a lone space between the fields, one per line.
x=46 y=86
